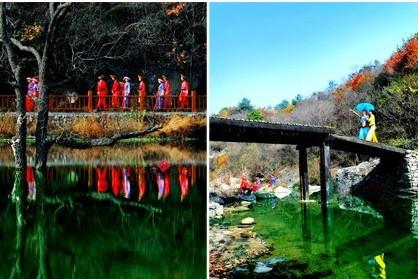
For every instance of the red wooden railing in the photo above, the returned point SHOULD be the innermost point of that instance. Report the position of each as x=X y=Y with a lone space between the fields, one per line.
x=88 y=103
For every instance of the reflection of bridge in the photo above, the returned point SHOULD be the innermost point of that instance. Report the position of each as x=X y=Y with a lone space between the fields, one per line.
x=303 y=136
x=87 y=103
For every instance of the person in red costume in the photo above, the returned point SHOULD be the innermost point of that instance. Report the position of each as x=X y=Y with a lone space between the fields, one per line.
x=102 y=93
x=116 y=181
x=142 y=88
x=116 y=92
x=167 y=93
x=184 y=181
x=184 y=92
x=245 y=185
x=142 y=183
x=101 y=179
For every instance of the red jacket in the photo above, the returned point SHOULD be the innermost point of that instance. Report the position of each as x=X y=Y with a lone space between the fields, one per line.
x=116 y=88
x=142 y=87
x=185 y=88
x=102 y=87
x=167 y=88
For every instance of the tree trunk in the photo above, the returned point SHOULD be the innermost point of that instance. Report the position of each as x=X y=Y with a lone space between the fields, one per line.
x=41 y=132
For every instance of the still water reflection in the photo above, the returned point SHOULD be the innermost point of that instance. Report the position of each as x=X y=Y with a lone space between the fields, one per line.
x=123 y=212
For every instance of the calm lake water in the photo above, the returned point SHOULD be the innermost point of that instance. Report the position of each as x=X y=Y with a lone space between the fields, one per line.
x=337 y=242
x=119 y=212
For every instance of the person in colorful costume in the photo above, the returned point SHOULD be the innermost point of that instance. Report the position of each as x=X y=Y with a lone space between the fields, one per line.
x=126 y=92
x=142 y=88
x=29 y=102
x=160 y=95
x=371 y=135
x=364 y=128
x=184 y=92
x=116 y=92
x=102 y=93
x=167 y=93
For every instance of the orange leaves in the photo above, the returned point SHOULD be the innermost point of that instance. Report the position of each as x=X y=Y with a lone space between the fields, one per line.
x=222 y=160
x=30 y=32
x=359 y=79
x=405 y=58
x=174 y=8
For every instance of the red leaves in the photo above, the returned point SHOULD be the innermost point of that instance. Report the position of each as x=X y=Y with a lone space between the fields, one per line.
x=359 y=79
x=405 y=58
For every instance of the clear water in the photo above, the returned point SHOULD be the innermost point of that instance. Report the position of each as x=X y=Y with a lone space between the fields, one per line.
x=109 y=213
x=335 y=242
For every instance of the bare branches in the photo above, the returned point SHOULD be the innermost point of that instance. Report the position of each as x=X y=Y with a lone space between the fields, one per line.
x=84 y=144
x=28 y=49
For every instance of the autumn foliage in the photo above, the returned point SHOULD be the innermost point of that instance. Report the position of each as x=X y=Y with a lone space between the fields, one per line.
x=174 y=8
x=359 y=79
x=404 y=58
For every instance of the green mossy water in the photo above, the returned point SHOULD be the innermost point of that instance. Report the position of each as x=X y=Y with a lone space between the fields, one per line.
x=334 y=244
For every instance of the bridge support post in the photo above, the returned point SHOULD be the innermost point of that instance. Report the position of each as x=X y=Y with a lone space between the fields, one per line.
x=142 y=101
x=303 y=173
x=90 y=100
x=194 y=101
x=325 y=172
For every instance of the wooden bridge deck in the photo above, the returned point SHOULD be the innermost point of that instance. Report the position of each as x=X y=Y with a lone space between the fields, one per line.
x=236 y=130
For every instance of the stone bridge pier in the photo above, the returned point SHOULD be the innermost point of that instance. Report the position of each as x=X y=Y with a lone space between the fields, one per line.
x=389 y=185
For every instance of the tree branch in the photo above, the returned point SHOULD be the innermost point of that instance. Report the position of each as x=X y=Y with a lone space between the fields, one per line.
x=22 y=47
x=84 y=144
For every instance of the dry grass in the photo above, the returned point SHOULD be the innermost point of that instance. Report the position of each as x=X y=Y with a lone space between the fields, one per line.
x=103 y=126
x=179 y=125
x=7 y=125
x=96 y=126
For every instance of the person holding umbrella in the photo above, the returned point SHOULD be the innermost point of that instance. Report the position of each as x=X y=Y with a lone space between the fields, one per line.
x=368 y=122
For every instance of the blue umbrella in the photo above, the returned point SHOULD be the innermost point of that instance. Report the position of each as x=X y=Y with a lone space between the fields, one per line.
x=365 y=106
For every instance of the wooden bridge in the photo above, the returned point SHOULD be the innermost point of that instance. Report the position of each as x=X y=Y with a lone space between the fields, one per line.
x=303 y=136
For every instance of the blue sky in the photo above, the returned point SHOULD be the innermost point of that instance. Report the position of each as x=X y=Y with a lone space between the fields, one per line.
x=268 y=52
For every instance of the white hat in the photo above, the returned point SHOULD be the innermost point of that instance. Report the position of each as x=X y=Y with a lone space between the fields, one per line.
x=126 y=78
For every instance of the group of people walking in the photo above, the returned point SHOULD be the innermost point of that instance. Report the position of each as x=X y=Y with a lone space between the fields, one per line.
x=122 y=90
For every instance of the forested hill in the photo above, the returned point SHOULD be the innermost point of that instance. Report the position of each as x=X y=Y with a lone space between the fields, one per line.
x=392 y=87
x=125 y=39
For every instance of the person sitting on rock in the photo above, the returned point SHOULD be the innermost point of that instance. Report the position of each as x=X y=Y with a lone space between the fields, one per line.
x=245 y=186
